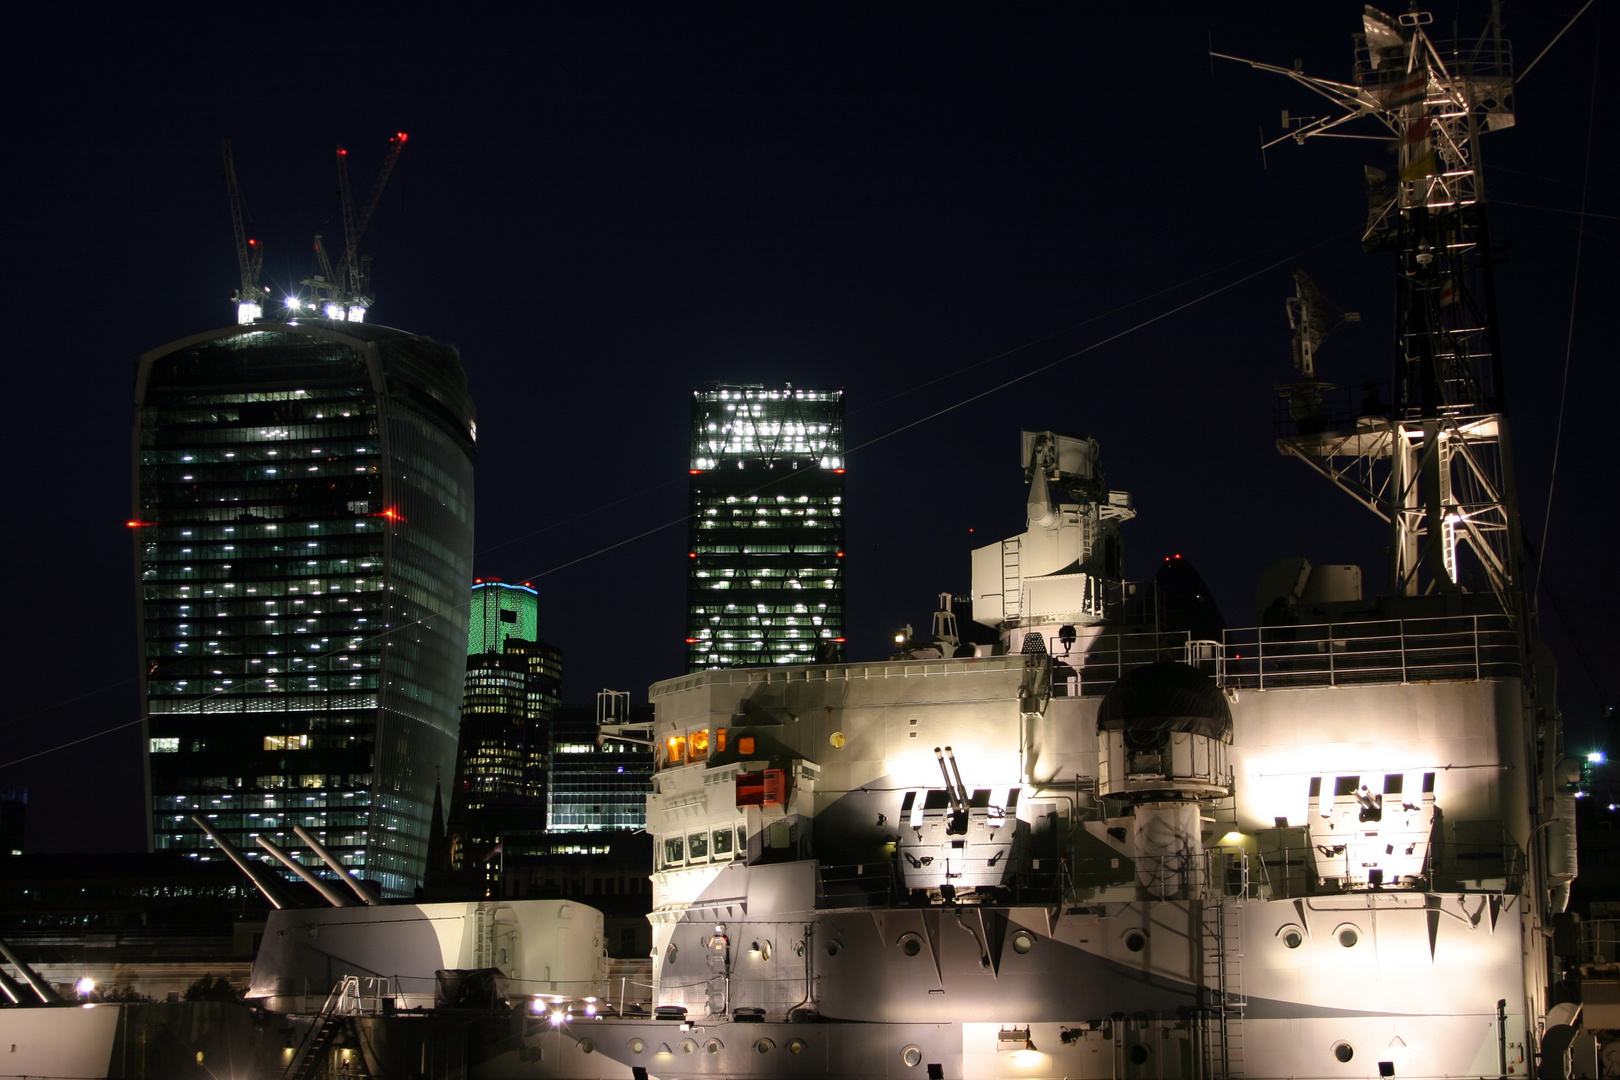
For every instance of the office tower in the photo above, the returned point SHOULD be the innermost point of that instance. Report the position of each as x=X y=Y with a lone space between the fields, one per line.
x=511 y=691
x=591 y=787
x=765 y=572
x=303 y=539
x=500 y=611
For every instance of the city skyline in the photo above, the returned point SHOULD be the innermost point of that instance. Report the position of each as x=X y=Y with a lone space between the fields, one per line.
x=604 y=213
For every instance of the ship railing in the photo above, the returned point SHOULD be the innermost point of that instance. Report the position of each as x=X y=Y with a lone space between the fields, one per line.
x=1288 y=867
x=1600 y=948
x=360 y=995
x=1446 y=648
x=1095 y=671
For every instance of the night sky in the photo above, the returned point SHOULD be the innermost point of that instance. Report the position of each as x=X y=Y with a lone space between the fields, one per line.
x=917 y=203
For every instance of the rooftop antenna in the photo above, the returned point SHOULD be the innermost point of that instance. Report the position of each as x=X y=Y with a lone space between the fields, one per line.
x=344 y=292
x=249 y=296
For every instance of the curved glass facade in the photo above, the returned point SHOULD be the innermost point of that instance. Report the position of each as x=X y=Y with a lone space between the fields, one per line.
x=303 y=536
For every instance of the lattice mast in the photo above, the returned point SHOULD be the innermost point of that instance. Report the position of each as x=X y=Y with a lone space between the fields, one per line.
x=249 y=296
x=1435 y=463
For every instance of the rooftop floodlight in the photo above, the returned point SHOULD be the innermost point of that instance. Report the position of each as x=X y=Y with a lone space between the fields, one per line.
x=334 y=312
x=1597 y=757
x=85 y=986
x=357 y=313
x=293 y=304
x=1014 y=1039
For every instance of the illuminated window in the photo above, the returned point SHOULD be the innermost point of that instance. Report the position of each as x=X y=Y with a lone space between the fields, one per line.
x=720 y=740
x=698 y=749
x=286 y=742
x=745 y=744
x=675 y=750
x=166 y=745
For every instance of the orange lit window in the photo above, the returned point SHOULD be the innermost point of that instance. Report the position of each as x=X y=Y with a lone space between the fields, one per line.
x=745 y=744
x=698 y=745
x=676 y=750
x=719 y=740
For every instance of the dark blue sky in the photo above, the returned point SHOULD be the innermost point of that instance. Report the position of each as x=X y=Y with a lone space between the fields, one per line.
x=604 y=210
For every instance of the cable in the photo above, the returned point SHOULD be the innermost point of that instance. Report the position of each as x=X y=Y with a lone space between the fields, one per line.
x=1520 y=79
x=1574 y=296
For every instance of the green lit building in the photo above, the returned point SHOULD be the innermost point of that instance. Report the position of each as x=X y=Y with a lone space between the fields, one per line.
x=500 y=611
x=302 y=524
x=765 y=572
x=511 y=693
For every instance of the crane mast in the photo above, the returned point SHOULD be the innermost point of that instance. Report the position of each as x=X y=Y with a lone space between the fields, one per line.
x=249 y=296
x=344 y=292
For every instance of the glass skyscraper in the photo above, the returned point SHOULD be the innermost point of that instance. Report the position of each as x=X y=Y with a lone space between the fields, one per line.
x=303 y=520
x=765 y=572
x=512 y=691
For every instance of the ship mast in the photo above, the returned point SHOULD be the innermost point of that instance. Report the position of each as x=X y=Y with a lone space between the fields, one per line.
x=1434 y=464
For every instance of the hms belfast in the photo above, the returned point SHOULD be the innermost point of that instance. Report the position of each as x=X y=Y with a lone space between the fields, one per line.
x=1123 y=841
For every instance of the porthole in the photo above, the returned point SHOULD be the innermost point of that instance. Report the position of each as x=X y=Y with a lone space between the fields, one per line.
x=764 y=1046
x=797 y=1046
x=688 y=1046
x=1136 y=941
x=669 y=954
x=714 y=1046
x=912 y=1056
x=1291 y=937
x=833 y=948
x=1348 y=936
x=1022 y=942
x=910 y=944
x=764 y=950
x=638 y=1045
x=1138 y=1054
x=1343 y=1051
x=587 y=1046
x=837 y=740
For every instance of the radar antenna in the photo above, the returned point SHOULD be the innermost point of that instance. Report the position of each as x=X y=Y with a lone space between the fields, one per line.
x=249 y=296
x=1434 y=464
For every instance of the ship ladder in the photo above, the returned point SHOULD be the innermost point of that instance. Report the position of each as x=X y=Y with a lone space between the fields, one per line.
x=1222 y=935
x=1012 y=582
x=331 y=1029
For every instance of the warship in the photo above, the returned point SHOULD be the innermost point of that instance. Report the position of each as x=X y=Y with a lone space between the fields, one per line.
x=1120 y=841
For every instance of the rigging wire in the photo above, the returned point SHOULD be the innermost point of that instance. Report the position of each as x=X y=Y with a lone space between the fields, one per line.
x=1574 y=296
x=671 y=523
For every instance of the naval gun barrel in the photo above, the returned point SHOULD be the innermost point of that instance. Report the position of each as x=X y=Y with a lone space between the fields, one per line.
x=369 y=898
x=954 y=789
x=266 y=884
x=333 y=897
x=39 y=985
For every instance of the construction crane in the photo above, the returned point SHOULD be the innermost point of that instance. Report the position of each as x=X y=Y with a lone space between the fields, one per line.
x=344 y=292
x=249 y=296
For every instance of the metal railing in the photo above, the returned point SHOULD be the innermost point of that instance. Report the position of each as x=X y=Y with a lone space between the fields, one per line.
x=1447 y=648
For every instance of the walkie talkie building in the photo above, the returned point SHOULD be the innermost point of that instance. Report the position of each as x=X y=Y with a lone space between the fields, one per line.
x=765 y=574
x=303 y=542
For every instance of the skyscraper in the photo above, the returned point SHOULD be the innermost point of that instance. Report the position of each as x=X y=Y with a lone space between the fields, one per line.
x=303 y=539
x=765 y=577
x=512 y=690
